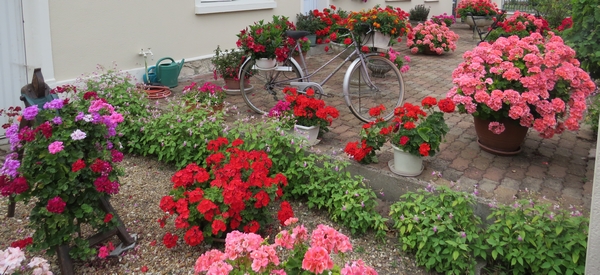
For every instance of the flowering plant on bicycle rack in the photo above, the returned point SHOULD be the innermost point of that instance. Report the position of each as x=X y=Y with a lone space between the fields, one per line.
x=416 y=131
x=534 y=81
x=520 y=24
x=372 y=136
x=233 y=190
x=308 y=110
x=333 y=18
x=432 y=37
x=266 y=40
x=476 y=8
x=389 y=21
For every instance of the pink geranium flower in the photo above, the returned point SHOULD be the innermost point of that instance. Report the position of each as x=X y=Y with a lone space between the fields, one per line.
x=55 y=147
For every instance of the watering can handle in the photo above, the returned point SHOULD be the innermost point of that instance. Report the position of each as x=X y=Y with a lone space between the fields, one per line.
x=151 y=69
x=164 y=58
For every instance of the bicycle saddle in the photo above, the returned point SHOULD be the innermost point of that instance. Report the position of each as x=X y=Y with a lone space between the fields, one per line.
x=296 y=34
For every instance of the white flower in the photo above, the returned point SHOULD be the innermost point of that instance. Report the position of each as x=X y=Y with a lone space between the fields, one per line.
x=78 y=135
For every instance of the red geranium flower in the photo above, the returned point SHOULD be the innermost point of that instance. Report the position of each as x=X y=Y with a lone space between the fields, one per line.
x=108 y=217
x=170 y=240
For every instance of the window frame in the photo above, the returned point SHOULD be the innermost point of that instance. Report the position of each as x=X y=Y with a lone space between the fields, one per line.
x=222 y=6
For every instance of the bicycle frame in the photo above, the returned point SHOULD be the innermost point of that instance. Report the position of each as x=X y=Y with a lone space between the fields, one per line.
x=305 y=75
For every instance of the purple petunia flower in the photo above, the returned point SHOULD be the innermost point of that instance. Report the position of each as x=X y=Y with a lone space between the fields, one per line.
x=30 y=112
x=55 y=104
x=57 y=120
x=11 y=164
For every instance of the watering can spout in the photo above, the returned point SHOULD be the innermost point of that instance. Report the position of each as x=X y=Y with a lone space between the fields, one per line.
x=180 y=66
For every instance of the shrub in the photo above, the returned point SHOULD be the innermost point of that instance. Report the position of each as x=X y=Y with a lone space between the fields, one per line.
x=440 y=228
x=418 y=13
x=585 y=34
x=533 y=238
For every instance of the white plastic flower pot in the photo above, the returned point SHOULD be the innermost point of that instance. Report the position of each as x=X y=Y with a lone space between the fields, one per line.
x=378 y=40
x=405 y=164
x=266 y=64
x=309 y=133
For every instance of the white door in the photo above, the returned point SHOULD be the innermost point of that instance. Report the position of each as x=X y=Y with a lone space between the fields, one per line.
x=12 y=56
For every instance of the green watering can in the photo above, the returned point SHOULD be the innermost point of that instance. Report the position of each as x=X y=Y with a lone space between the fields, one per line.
x=167 y=73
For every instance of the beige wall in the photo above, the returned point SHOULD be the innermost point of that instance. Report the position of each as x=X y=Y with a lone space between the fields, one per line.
x=86 y=33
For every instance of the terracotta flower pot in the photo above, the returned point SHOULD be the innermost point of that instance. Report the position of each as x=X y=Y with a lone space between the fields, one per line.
x=506 y=143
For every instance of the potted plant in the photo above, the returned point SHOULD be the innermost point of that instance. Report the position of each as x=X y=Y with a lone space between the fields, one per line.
x=208 y=95
x=517 y=83
x=431 y=38
x=388 y=23
x=65 y=166
x=233 y=190
x=520 y=24
x=417 y=134
x=481 y=10
x=305 y=45
x=444 y=18
x=311 y=116
x=265 y=42
x=310 y=23
x=418 y=13
x=227 y=66
x=332 y=18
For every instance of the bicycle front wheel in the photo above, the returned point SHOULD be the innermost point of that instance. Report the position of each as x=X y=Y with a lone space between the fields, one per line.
x=261 y=89
x=379 y=84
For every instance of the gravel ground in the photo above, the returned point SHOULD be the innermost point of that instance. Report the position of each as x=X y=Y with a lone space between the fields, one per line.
x=145 y=182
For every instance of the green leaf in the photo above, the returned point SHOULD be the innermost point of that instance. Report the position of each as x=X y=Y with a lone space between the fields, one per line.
x=455 y=254
x=575 y=257
x=87 y=208
x=494 y=254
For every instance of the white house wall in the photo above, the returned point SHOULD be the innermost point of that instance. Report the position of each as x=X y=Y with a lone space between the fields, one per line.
x=86 y=33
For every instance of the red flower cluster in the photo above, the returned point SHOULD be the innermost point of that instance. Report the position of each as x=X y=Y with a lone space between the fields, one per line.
x=221 y=193
x=22 y=243
x=308 y=110
x=373 y=135
x=331 y=19
x=77 y=165
x=108 y=217
x=285 y=212
x=356 y=151
x=10 y=112
x=14 y=187
x=566 y=23
x=169 y=240
x=56 y=205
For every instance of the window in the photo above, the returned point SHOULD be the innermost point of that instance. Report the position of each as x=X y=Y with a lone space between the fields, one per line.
x=218 y=6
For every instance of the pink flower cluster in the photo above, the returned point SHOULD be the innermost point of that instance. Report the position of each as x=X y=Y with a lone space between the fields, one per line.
x=533 y=80
x=433 y=37
x=248 y=248
x=11 y=258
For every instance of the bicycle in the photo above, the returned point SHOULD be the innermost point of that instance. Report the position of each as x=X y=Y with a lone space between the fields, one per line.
x=371 y=80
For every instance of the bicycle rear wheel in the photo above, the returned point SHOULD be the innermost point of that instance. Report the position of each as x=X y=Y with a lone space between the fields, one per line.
x=263 y=88
x=386 y=88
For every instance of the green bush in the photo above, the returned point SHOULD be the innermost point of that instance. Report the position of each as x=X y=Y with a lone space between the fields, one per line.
x=440 y=228
x=554 y=11
x=418 y=13
x=585 y=34
x=593 y=112
x=532 y=238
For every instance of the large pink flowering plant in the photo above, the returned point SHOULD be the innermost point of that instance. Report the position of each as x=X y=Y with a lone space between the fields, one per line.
x=64 y=164
x=432 y=37
x=307 y=253
x=534 y=81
